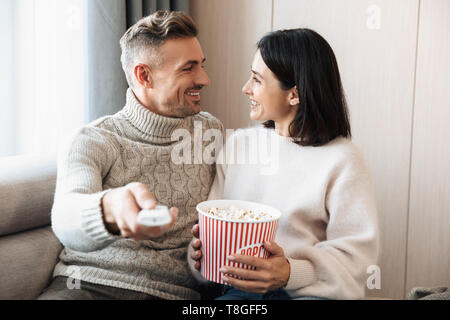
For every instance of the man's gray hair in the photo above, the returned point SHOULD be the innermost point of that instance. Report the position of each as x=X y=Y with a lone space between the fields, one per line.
x=142 y=41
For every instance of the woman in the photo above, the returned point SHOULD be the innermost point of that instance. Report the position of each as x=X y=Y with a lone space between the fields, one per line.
x=327 y=236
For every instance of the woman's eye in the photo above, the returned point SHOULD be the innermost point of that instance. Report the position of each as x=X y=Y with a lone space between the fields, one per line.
x=256 y=80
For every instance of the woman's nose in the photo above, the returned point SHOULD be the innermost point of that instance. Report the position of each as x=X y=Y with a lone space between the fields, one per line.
x=246 y=88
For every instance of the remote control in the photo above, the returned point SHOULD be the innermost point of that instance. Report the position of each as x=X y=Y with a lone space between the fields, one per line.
x=154 y=218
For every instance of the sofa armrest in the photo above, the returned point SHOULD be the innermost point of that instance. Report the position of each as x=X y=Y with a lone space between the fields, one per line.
x=27 y=187
x=27 y=260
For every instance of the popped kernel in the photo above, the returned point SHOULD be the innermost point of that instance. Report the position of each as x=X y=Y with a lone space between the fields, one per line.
x=234 y=213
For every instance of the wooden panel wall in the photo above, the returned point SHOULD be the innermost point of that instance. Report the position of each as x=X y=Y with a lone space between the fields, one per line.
x=229 y=31
x=429 y=217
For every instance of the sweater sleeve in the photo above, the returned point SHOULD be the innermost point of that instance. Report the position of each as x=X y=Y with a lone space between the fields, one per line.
x=336 y=267
x=77 y=218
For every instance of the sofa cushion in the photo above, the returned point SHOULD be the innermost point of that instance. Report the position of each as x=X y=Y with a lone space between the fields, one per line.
x=27 y=263
x=27 y=186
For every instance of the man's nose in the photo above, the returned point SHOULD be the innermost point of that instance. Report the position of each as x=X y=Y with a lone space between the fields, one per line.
x=203 y=78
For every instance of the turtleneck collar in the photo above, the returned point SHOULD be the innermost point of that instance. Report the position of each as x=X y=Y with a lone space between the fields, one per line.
x=152 y=126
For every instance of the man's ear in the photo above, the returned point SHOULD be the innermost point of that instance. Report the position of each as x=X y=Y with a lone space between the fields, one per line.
x=143 y=75
x=293 y=97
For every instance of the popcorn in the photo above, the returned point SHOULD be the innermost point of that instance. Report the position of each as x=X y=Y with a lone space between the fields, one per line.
x=229 y=227
x=235 y=213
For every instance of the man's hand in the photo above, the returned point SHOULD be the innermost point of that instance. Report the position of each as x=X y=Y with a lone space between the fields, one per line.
x=196 y=244
x=121 y=207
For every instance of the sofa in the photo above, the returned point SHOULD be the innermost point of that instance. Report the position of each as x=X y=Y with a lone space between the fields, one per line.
x=28 y=248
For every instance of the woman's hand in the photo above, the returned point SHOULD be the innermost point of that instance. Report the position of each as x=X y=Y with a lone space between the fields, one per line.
x=270 y=274
x=196 y=244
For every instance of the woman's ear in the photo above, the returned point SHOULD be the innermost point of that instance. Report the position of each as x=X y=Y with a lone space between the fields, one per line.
x=293 y=97
x=143 y=75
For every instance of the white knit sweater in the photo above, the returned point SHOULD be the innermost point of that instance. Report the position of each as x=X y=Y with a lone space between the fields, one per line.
x=328 y=228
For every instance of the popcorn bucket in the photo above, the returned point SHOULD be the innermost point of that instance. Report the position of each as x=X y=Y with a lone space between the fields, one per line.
x=222 y=237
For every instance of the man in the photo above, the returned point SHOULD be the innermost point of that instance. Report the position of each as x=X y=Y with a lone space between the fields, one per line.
x=120 y=164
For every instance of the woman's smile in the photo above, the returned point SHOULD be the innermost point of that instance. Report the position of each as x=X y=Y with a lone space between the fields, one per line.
x=253 y=104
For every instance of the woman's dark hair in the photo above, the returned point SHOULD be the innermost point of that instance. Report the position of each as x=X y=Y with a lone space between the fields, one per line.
x=303 y=58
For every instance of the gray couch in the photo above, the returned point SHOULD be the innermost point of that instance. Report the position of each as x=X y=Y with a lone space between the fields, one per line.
x=28 y=248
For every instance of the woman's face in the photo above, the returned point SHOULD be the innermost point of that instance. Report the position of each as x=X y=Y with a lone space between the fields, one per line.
x=267 y=100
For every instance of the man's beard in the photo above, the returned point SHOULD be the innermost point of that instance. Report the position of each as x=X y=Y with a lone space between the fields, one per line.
x=182 y=111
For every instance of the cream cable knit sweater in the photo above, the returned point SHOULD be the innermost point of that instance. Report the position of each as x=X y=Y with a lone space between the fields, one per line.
x=329 y=228
x=133 y=145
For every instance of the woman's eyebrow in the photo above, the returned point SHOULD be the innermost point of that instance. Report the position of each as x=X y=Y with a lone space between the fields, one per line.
x=258 y=74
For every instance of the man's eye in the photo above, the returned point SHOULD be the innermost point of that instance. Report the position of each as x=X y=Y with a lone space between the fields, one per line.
x=188 y=69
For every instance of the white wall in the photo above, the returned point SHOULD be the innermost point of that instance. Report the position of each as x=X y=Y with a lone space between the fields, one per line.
x=392 y=56
x=7 y=114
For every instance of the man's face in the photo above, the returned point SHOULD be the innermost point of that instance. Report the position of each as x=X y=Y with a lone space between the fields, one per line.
x=177 y=84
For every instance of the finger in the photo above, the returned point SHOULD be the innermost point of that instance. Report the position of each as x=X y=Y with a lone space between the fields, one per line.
x=123 y=227
x=249 y=260
x=125 y=233
x=142 y=195
x=273 y=248
x=196 y=244
x=196 y=255
x=198 y=265
x=242 y=273
x=196 y=231
x=130 y=213
x=246 y=285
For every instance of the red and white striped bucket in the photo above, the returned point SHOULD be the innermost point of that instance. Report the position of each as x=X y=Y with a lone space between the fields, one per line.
x=221 y=238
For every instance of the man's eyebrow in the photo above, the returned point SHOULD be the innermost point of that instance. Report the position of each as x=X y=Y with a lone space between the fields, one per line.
x=192 y=62
x=258 y=74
